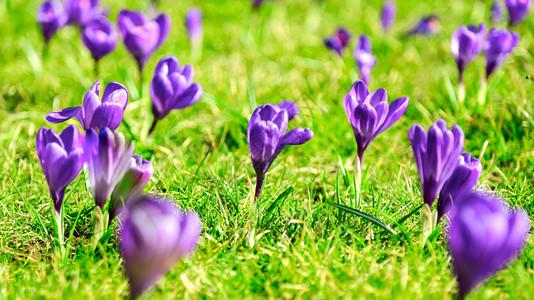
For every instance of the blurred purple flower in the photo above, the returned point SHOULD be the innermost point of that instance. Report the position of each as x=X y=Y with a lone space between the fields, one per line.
x=496 y=12
x=364 y=58
x=369 y=113
x=61 y=158
x=141 y=36
x=388 y=14
x=193 y=23
x=462 y=180
x=338 y=41
x=81 y=12
x=257 y=3
x=108 y=156
x=51 y=16
x=172 y=88
x=94 y=114
x=466 y=45
x=436 y=155
x=291 y=107
x=155 y=235
x=499 y=44
x=517 y=10
x=267 y=137
x=131 y=185
x=427 y=25
x=100 y=37
x=483 y=237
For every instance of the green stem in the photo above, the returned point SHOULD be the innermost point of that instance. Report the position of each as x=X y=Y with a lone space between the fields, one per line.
x=100 y=225
x=59 y=244
x=358 y=179
x=482 y=92
x=461 y=92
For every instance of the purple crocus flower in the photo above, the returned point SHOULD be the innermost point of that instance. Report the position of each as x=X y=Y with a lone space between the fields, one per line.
x=517 y=10
x=193 y=23
x=427 y=25
x=81 y=12
x=51 y=16
x=141 y=36
x=108 y=156
x=388 y=14
x=172 y=88
x=338 y=41
x=369 y=113
x=61 y=157
x=436 y=155
x=132 y=184
x=466 y=45
x=257 y=3
x=364 y=58
x=267 y=137
x=499 y=45
x=94 y=114
x=483 y=237
x=100 y=37
x=496 y=12
x=155 y=235
x=462 y=180
x=291 y=107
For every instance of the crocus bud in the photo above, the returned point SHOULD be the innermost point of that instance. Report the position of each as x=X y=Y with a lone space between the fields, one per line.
x=338 y=41
x=155 y=236
x=141 y=36
x=82 y=12
x=193 y=23
x=51 y=16
x=172 y=88
x=483 y=237
x=499 y=45
x=436 y=155
x=108 y=156
x=388 y=14
x=94 y=114
x=426 y=26
x=463 y=179
x=369 y=114
x=365 y=60
x=496 y=12
x=291 y=107
x=100 y=37
x=132 y=184
x=267 y=137
x=517 y=10
x=466 y=45
x=61 y=157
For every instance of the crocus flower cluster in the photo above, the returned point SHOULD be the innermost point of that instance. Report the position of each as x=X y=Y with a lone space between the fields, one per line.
x=364 y=58
x=267 y=137
x=388 y=14
x=466 y=45
x=100 y=37
x=499 y=44
x=141 y=36
x=427 y=25
x=338 y=41
x=51 y=16
x=484 y=235
x=517 y=10
x=370 y=114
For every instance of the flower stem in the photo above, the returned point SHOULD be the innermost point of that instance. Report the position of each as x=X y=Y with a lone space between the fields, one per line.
x=461 y=90
x=59 y=244
x=358 y=179
x=96 y=69
x=153 y=126
x=100 y=225
x=259 y=184
x=482 y=92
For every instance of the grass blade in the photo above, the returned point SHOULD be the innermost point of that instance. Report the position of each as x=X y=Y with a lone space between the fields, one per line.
x=364 y=216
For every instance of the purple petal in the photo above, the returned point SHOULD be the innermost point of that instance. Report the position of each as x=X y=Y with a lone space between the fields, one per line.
x=189 y=97
x=164 y=23
x=115 y=93
x=64 y=114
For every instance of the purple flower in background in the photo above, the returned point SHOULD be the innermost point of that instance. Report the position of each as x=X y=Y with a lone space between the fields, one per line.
x=94 y=114
x=462 y=180
x=172 y=88
x=141 y=36
x=108 y=156
x=499 y=45
x=100 y=37
x=364 y=58
x=61 y=157
x=132 y=184
x=80 y=12
x=267 y=137
x=388 y=14
x=193 y=23
x=436 y=155
x=51 y=16
x=427 y=25
x=517 y=10
x=466 y=45
x=155 y=235
x=483 y=237
x=496 y=12
x=338 y=41
x=291 y=107
x=369 y=113
x=256 y=3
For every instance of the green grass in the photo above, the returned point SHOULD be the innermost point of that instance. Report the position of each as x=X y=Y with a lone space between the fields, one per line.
x=302 y=247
